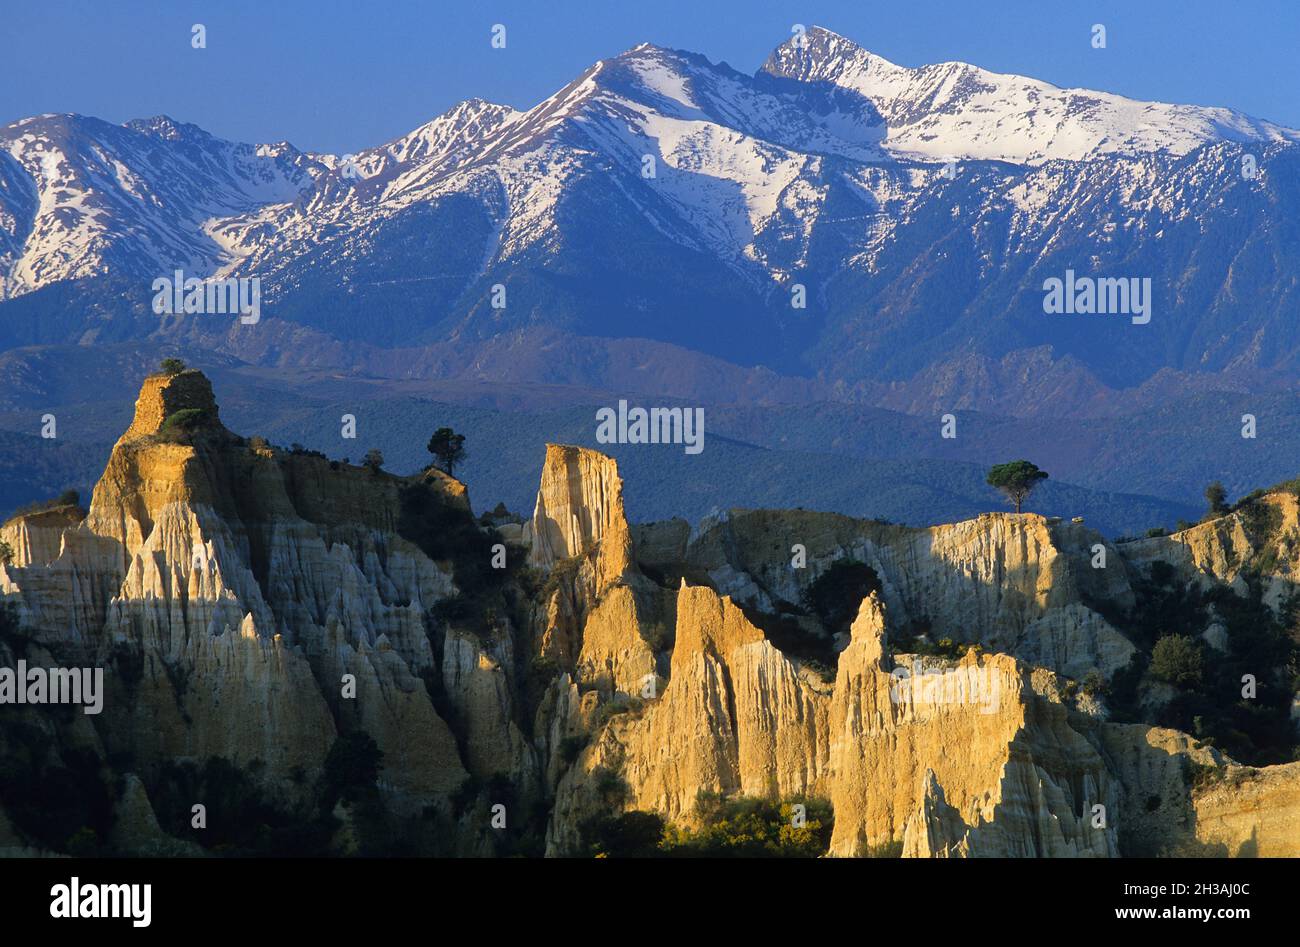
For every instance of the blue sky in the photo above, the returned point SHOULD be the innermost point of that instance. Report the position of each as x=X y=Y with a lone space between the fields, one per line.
x=340 y=75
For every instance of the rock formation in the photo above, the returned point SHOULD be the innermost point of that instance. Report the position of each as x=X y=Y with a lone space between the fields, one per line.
x=258 y=606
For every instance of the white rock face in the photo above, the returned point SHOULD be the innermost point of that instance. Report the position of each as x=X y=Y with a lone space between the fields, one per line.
x=478 y=685
x=1009 y=582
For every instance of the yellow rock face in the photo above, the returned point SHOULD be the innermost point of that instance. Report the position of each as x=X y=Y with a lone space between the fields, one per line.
x=978 y=757
x=161 y=396
x=580 y=506
x=739 y=717
x=1247 y=812
x=247 y=583
x=957 y=760
x=1265 y=540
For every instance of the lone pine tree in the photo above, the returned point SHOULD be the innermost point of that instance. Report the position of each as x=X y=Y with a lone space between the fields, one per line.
x=1016 y=480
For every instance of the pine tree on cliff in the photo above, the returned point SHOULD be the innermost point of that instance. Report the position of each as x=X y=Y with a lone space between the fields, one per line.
x=447 y=448
x=1016 y=480
x=1216 y=498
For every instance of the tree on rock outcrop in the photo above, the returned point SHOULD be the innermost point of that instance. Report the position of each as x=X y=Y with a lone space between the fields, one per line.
x=1216 y=498
x=171 y=366
x=447 y=448
x=1016 y=480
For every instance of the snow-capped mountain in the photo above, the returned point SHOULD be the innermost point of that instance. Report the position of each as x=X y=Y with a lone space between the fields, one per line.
x=662 y=196
x=80 y=197
x=955 y=111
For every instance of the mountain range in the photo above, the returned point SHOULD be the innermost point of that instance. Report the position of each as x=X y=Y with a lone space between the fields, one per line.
x=834 y=228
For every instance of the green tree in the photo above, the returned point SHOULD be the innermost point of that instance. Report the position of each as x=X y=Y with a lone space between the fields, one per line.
x=1216 y=498
x=352 y=766
x=633 y=834
x=1016 y=480
x=448 y=449
x=374 y=459
x=171 y=366
x=1178 y=660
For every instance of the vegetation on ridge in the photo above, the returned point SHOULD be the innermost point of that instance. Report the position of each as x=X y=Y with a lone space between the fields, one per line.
x=1017 y=480
x=743 y=827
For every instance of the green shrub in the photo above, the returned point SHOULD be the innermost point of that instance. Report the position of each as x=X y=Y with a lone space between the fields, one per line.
x=242 y=819
x=183 y=420
x=890 y=849
x=1177 y=659
x=571 y=747
x=610 y=786
x=352 y=767
x=749 y=827
x=1162 y=573
x=632 y=834
x=1094 y=684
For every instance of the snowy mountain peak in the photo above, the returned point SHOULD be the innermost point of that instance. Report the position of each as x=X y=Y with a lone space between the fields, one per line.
x=819 y=55
x=166 y=128
x=955 y=111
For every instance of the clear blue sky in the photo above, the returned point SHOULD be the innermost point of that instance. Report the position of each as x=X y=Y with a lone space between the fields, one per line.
x=340 y=75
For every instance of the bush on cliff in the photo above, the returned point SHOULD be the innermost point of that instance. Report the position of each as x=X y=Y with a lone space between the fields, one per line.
x=749 y=828
x=351 y=768
x=1177 y=659
x=729 y=828
x=186 y=419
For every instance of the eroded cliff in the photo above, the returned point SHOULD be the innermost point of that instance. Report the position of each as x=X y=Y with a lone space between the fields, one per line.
x=948 y=691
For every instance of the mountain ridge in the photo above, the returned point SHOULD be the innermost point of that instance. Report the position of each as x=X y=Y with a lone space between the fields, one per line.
x=649 y=226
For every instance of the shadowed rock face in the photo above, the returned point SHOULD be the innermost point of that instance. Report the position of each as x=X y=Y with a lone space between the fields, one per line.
x=231 y=589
